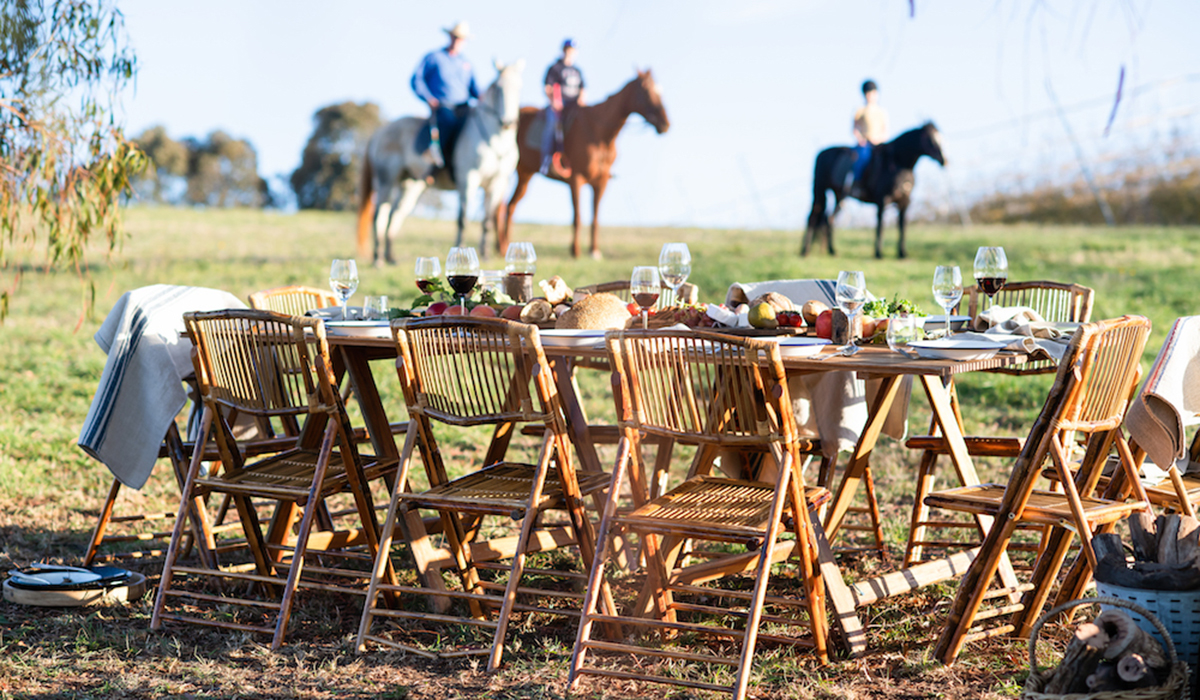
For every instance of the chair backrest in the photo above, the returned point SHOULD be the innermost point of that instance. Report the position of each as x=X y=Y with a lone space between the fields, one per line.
x=260 y=362
x=1056 y=302
x=702 y=387
x=293 y=300
x=620 y=288
x=464 y=370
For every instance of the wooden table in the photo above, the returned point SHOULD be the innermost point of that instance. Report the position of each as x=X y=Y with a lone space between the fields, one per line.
x=934 y=375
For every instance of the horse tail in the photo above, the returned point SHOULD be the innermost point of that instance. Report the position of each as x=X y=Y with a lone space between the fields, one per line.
x=366 y=200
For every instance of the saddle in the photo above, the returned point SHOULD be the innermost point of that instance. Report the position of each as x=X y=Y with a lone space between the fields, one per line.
x=533 y=136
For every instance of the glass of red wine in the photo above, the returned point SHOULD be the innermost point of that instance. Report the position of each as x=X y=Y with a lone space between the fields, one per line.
x=427 y=270
x=644 y=287
x=462 y=272
x=991 y=270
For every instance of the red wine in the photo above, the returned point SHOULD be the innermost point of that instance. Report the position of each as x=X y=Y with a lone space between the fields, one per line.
x=645 y=299
x=426 y=286
x=990 y=285
x=462 y=284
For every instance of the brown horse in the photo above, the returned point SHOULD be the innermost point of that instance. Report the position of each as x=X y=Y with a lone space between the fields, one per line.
x=589 y=147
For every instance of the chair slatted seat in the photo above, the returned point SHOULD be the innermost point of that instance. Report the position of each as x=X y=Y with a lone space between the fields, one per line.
x=723 y=394
x=1087 y=401
x=479 y=372
x=293 y=300
x=271 y=366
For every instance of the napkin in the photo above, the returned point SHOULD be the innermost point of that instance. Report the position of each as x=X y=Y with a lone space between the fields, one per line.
x=1006 y=318
x=1036 y=342
x=1169 y=399
x=141 y=389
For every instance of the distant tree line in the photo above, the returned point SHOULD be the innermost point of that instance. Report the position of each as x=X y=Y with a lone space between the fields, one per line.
x=221 y=170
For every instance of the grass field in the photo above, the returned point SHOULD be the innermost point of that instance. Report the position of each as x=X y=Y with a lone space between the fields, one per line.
x=50 y=491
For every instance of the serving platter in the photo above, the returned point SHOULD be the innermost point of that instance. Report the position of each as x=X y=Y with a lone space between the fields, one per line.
x=800 y=346
x=570 y=338
x=360 y=329
x=956 y=349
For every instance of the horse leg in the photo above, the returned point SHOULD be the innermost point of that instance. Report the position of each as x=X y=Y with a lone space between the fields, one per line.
x=827 y=223
x=902 y=249
x=493 y=203
x=380 y=216
x=879 y=231
x=575 y=185
x=814 y=220
x=385 y=214
x=523 y=178
x=407 y=196
x=467 y=186
x=597 y=193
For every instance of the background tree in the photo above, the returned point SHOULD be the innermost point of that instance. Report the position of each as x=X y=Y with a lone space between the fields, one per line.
x=223 y=172
x=64 y=162
x=328 y=174
x=164 y=179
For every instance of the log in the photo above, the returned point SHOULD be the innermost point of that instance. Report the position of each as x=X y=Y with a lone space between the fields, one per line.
x=1079 y=661
x=1142 y=535
x=1134 y=672
x=1103 y=679
x=1168 y=531
x=1127 y=638
x=1187 y=541
x=1108 y=545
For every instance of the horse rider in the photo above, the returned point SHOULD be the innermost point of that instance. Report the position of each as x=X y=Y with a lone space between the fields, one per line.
x=565 y=88
x=870 y=130
x=445 y=81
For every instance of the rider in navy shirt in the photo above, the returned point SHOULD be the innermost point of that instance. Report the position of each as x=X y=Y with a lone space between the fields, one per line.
x=565 y=88
x=445 y=81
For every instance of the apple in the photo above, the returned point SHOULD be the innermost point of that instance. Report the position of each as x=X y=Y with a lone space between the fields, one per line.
x=825 y=324
x=512 y=313
x=437 y=308
x=869 y=326
x=483 y=311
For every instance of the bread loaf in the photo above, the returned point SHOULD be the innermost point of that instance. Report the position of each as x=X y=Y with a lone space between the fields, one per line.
x=595 y=312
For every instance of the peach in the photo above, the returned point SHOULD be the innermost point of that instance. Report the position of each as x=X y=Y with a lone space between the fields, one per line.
x=483 y=311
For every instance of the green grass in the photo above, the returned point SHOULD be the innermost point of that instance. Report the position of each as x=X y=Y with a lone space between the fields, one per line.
x=50 y=366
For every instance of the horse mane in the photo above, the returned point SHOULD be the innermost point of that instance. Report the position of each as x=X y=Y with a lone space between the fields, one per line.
x=906 y=148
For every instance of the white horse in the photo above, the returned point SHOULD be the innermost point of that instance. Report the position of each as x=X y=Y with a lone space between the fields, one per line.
x=485 y=156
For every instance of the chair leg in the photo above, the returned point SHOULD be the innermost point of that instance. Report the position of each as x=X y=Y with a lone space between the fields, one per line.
x=914 y=550
x=972 y=590
x=106 y=512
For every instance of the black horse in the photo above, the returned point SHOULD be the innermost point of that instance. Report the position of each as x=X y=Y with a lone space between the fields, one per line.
x=888 y=179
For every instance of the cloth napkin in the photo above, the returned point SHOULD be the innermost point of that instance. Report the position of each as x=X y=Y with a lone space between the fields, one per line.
x=1039 y=343
x=141 y=389
x=1169 y=400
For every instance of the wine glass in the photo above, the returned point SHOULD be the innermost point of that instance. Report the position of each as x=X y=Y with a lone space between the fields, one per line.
x=644 y=287
x=675 y=264
x=462 y=272
x=851 y=294
x=343 y=280
x=947 y=290
x=520 y=262
x=991 y=270
x=427 y=270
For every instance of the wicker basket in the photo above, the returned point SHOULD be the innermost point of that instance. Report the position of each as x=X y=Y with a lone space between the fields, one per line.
x=1179 y=612
x=1177 y=686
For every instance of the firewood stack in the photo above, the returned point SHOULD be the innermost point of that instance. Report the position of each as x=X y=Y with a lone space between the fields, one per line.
x=1109 y=653
x=1166 y=554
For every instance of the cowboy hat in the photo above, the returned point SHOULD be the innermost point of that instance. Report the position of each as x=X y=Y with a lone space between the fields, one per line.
x=459 y=31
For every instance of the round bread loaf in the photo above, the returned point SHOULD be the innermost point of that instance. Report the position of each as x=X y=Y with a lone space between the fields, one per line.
x=595 y=312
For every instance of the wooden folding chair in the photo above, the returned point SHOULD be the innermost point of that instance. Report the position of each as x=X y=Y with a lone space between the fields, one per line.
x=293 y=300
x=1088 y=400
x=460 y=371
x=1056 y=302
x=721 y=393
x=273 y=367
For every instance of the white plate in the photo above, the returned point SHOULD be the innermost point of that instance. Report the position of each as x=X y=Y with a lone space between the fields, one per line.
x=570 y=338
x=799 y=346
x=954 y=349
x=360 y=329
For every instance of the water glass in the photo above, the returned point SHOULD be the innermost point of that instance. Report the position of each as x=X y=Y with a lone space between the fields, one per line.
x=947 y=290
x=343 y=280
x=520 y=262
x=902 y=329
x=674 y=265
x=375 y=308
x=644 y=287
x=851 y=294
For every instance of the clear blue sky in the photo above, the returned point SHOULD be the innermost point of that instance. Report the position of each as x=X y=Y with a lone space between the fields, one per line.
x=754 y=88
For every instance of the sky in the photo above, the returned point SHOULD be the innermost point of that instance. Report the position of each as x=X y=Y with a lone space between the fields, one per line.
x=753 y=88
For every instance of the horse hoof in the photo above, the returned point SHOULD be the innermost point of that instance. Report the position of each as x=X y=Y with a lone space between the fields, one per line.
x=597 y=255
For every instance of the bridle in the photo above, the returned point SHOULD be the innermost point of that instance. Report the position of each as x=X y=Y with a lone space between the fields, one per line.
x=485 y=105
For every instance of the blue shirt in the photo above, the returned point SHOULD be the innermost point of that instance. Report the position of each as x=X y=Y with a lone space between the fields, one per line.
x=446 y=78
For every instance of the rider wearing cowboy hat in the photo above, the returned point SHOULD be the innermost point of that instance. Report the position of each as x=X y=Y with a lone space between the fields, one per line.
x=445 y=81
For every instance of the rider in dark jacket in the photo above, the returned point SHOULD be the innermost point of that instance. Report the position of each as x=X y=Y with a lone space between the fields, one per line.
x=565 y=88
